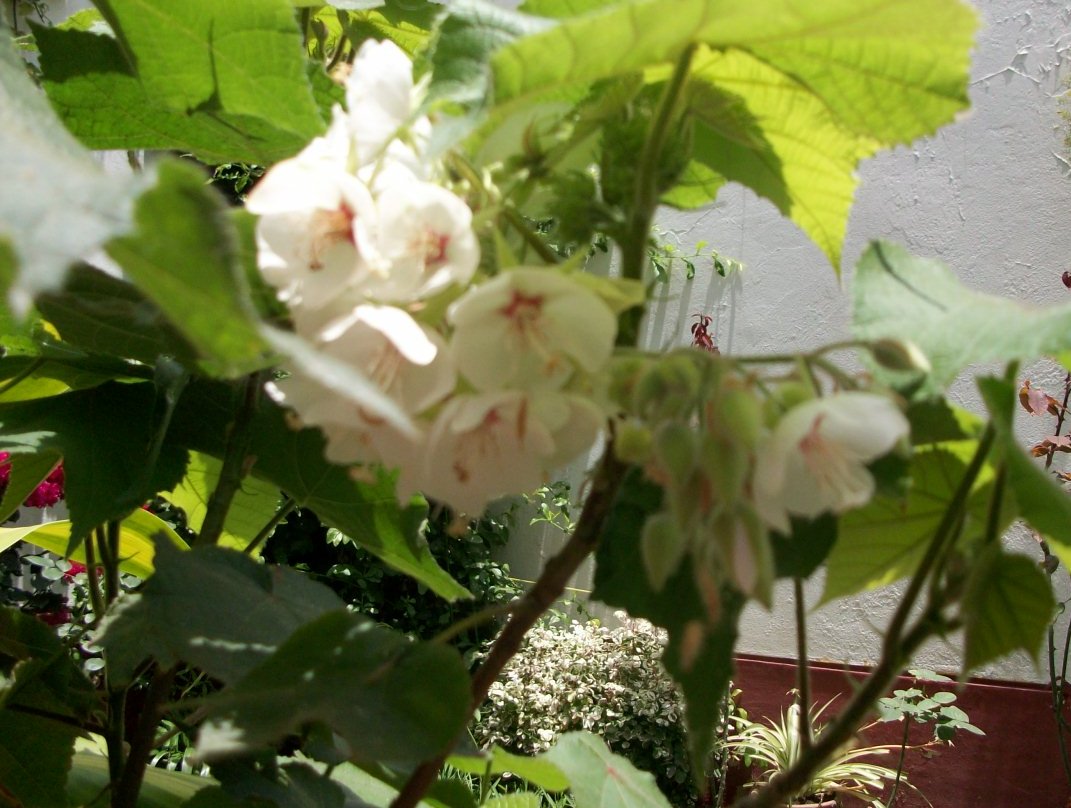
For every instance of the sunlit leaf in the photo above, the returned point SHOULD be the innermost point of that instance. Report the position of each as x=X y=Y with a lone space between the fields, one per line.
x=601 y=779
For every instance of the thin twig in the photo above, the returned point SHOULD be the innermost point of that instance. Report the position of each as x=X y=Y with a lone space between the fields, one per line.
x=474 y=619
x=235 y=463
x=528 y=609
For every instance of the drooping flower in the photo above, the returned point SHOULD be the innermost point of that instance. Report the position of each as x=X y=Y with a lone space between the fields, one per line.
x=815 y=460
x=407 y=361
x=530 y=329
x=487 y=445
x=309 y=207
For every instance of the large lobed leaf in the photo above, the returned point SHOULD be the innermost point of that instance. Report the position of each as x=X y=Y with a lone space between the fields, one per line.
x=103 y=102
x=58 y=204
x=823 y=84
x=899 y=296
x=201 y=55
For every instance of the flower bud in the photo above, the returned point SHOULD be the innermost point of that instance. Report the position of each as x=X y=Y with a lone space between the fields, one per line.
x=675 y=449
x=668 y=389
x=727 y=465
x=662 y=544
x=632 y=442
x=894 y=354
x=625 y=373
x=738 y=414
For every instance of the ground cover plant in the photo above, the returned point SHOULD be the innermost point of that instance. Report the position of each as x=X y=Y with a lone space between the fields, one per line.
x=400 y=310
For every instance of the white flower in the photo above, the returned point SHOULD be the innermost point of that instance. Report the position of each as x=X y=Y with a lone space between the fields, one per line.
x=309 y=207
x=488 y=445
x=420 y=242
x=405 y=360
x=815 y=460
x=530 y=328
x=381 y=99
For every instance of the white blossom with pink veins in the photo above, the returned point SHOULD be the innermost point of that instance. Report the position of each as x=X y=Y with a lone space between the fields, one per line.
x=309 y=207
x=530 y=329
x=488 y=445
x=406 y=360
x=420 y=242
x=815 y=459
x=382 y=99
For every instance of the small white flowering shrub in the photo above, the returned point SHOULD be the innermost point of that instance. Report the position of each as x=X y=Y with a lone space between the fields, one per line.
x=606 y=681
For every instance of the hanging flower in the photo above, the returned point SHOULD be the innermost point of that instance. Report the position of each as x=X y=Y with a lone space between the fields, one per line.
x=815 y=460
x=488 y=445
x=420 y=242
x=405 y=360
x=529 y=329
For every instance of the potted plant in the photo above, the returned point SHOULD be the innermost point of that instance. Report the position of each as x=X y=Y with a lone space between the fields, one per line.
x=774 y=746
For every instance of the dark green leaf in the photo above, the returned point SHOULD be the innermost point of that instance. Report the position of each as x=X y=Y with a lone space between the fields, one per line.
x=245 y=58
x=161 y=788
x=212 y=607
x=799 y=555
x=27 y=378
x=394 y=701
x=293 y=460
x=103 y=435
x=699 y=654
x=183 y=258
x=293 y=785
x=35 y=754
x=936 y=420
x=1007 y=606
x=100 y=314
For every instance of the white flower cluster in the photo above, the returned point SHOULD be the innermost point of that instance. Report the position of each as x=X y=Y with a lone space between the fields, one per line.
x=359 y=234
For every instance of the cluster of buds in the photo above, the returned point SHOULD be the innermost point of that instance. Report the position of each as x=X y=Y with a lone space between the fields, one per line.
x=472 y=387
x=735 y=464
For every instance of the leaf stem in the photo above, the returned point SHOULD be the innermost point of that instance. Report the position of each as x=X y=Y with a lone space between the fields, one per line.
x=645 y=192
x=527 y=610
x=266 y=531
x=531 y=238
x=803 y=671
x=474 y=619
x=142 y=741
x=236 y=463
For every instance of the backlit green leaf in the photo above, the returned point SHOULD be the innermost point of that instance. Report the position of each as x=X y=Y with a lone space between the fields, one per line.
x=601 y=779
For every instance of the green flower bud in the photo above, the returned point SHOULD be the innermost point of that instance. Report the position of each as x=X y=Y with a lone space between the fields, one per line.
x=662 y=544
x=625 y=372
x=738 y=414
x=632 y=442
x=675 y=450
x=727 y=465
x=669 y=388
x=894 y=354
x=787 y=396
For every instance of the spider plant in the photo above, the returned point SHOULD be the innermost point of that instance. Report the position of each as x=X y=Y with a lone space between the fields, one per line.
x=774 y=746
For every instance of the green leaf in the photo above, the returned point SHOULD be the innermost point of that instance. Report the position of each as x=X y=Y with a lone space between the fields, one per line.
x=101 y=314
x=245 y=58
x=395 y=701
x=562 y=8
x=519 y=800
x=903 y=297
x=1008 y=605
x=1039 y=499
x=136 y=540
x=697 y=186
x=27 y=378
x=699 y=654
x=885 y=540
x=471 y=31
x=103 y=434
x=27 y=472
x=161 y=788
x=59 y=204
x=183 y=258
x=293 y=461
x=253 y=506
x=212 y=607
x=406 y=23
x=373 y=791
x=104 y=104
x=292 y=785
x=601 y=779
x=869 y=60
x=801 y=553
x=39 y=677
x=538 y=771
x=769 y=131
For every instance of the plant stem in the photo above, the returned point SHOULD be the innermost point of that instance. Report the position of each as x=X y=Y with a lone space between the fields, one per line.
x=235 y=463
x=803 y=671
x=95 y=596
x=283 y=511
x=546 y=590
x=645 y=193
x=142 y=743
x=900 y=762
x=22 y=375
x=531 y=238
x=474 y=619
